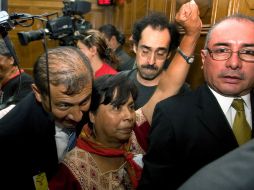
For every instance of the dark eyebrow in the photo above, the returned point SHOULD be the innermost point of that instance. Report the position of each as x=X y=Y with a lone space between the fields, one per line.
x=144 y=46
x=71 y=104
x=86 y=99
x=221 y=44
x=227 y=44
x=248 y=45
x=158 y=49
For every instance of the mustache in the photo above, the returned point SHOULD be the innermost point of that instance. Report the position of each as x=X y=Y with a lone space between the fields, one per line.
x=152 y=67
x=232 y=73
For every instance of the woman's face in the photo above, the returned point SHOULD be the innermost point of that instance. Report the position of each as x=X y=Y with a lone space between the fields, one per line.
x=113 y=125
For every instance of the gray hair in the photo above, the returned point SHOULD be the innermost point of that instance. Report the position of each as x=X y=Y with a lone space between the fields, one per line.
x=67 y=66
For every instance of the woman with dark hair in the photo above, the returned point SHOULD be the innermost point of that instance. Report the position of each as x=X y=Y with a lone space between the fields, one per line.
x=103 y=60
x=107 y=143
x=116 y=40
x=108 y=153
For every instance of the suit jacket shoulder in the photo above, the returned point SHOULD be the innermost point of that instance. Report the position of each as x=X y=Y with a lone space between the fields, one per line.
x=188 y=131
x=233 y=171
x=27 y=143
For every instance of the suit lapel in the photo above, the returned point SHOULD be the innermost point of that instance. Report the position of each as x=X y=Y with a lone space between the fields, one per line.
x=211 y=114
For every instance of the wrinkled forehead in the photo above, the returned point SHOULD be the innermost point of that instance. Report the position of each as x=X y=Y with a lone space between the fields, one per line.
x=154 y=37
x=233 y=31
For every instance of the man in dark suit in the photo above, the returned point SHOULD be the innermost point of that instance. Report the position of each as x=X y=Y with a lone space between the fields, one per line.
x=61 y=93
x=189 y=131
x=233 y=171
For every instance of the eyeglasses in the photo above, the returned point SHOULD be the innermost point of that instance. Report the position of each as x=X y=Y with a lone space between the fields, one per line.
x=159 y=54
x=223 y=54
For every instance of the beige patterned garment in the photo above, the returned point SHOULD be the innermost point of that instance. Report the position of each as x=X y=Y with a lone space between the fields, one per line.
x=140 y=118
x=85 y=170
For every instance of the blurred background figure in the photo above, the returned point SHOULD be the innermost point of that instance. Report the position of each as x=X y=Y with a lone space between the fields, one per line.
x=15 y=84
x=116 y=40
x=93 y=44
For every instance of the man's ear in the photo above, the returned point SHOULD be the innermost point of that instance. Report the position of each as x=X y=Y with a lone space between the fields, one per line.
x=37 y=93
x=11 y=60
x=203 y=57
x=93 y=50
x=135 y=48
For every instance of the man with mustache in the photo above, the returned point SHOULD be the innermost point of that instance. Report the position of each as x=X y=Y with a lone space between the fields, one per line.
x=29 y=140
x=192 y=130
x=154 y=38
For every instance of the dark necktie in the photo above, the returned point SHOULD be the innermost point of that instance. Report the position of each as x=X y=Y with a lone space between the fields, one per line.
x=72 y=141
x=241 y=127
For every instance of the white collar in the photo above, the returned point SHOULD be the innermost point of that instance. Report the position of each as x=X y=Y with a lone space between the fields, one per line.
x=225 y=102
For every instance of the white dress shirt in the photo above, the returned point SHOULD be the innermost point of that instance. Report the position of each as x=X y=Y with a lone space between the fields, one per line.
x=229 y=111
x=62 y=138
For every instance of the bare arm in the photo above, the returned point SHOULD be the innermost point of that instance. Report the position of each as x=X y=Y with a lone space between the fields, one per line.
x=174 y=77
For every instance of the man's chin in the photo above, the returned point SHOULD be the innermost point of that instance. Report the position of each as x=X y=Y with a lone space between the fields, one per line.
x=149 y=76
x=70 y=125
x=66 y=124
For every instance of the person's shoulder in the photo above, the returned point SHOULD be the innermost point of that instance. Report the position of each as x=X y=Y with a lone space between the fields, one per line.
x=28 y=109
x=122 y=53
x=73 y=160
x=73 y=154
x=179 y=98
x=26 y=76
x=109 y=69
x=180 y=101
x=24 y=103
x=17 y=117
x=131 y=74
x=105 y=70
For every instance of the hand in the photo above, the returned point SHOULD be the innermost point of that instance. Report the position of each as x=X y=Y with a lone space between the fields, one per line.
x=188 y=18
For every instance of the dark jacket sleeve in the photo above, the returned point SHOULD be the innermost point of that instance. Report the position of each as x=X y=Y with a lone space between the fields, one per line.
x=233 y=171
x=185 y=88
x=25 y=88
x=159 y=160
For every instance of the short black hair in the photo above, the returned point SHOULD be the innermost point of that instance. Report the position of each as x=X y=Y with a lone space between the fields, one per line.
x=110 y=30
x=106 y=87
x=158 y=21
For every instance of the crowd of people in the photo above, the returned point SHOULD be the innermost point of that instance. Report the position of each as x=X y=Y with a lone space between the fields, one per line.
x=93 y=117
